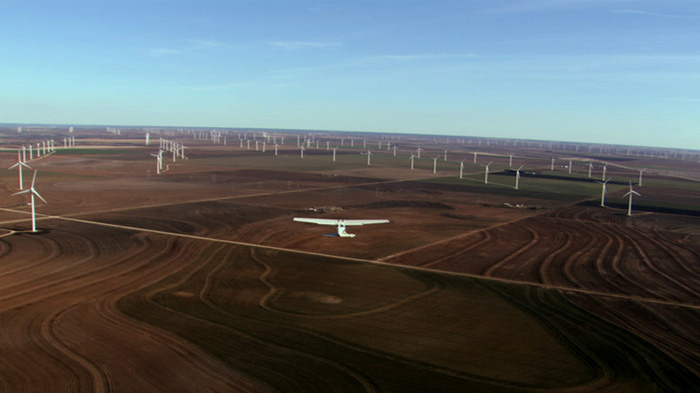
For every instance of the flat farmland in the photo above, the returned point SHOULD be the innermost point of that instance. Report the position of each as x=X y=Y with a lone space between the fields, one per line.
x=197 y=279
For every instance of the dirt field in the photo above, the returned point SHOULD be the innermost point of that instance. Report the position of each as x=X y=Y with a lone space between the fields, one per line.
x=198 y=279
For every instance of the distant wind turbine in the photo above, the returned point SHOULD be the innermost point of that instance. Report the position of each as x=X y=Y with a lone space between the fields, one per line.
x=32 y=192
x=640 y=175
x=517 y=176
x=435 y=164
x=510 y=162
x=605 y=189
x=334 y=149
x=605 y=170
x=19 y=166
x=412 y=159
x=590 y=168
x=631 y=193
x=461 y=169
x=486 y=173
x=302 y=151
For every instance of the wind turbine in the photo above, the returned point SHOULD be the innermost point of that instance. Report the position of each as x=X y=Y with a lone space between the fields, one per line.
x=486 y=174
x=605 y=190
x=369 y=156
x=334 y=149
x=461 y=169
x=571 y=165
x=590 y=168
x=445 y=155
x=605 y=169
x=640 y=175
x=276 y=146
x=159 y=160
x=435 y=164
x=510 y=163
x=19 y=166
x=475 y=153
x=412 y=158
x=32 y=191
x=517 y=176
x=302 y=151
x=418 y=151
x=631 y=193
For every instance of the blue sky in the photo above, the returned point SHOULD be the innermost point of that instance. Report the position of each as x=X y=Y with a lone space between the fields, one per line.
x=602 y=71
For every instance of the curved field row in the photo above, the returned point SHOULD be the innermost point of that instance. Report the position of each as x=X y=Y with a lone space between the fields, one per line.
x=569 y=251
x=50 y=338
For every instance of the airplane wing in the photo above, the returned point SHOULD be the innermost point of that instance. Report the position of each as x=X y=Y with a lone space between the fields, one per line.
x=328 y=221
x=365 y=222
x=319 y=221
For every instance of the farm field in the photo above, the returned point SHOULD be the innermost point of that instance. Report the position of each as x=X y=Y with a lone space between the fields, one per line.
x=197 y=279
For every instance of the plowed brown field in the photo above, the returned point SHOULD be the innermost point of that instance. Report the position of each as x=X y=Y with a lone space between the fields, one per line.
x=198 y=280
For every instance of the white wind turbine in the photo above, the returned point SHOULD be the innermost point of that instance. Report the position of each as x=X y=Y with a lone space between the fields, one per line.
x=412 y=159
x=276 y=146
x=590 y=168
x=605 y=189
x=159 y=160
x=445 y=159
x=19 y=166
x=510 y=161
x=418 y=150
x=475 y=153
x=369 y=156
x=334 y=149
x=32 y=192
x=435 y=164
x=605 y=170
x=486 y=173
x=517 y=177
x=302 y=151
x=631 y=193
x=461 y=169
x=551 y=166
x=640 y=175
x=571 y=166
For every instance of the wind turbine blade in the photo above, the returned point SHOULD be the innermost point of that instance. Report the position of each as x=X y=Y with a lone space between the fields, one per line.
x=34 y=179
x=35 y=192
x=21 y=192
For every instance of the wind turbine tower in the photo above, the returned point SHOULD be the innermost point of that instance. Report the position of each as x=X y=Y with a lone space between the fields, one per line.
x=33 y=192
x=486 y=173
x=517 y=177
x=602 y=195
x=631 y=193
x=435 y=164
x=640 y=176
x=19 y=166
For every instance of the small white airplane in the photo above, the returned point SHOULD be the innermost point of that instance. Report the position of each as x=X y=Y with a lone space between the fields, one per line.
x=341 y=224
